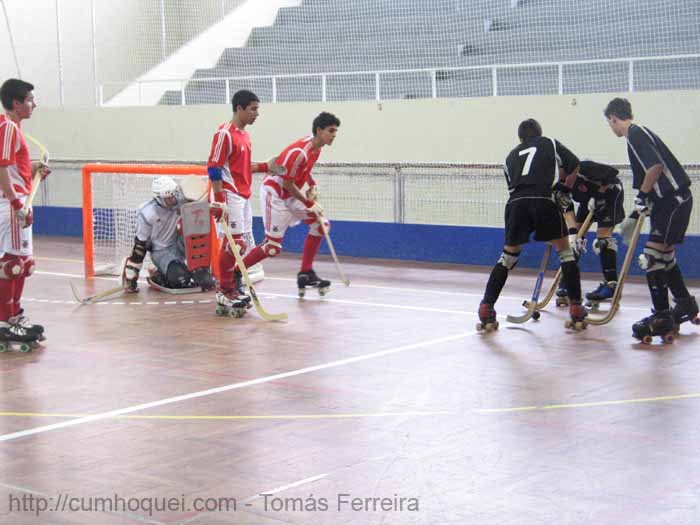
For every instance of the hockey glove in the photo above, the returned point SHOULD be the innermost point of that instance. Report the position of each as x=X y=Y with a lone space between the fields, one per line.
x=562 y=195
x=642 y=203
x=312 y=193
x=626 y=228
x=314 y=207
x=42 y=168
x=218 y=207
x=24 y=216
x=130 y=277
x=578 y=245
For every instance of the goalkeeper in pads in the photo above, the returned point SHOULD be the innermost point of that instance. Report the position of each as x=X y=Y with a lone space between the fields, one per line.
x=540 y=172
x=284 y=203
x=159 y=231
x=599 y=189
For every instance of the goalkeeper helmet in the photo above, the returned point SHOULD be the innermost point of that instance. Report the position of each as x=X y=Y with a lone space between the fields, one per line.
x=166 y=191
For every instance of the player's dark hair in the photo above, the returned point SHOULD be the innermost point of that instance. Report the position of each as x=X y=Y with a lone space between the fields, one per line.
x=620 y=108
x=14 y=89
x=324 y=120
x=243 y=98
x=529 y=129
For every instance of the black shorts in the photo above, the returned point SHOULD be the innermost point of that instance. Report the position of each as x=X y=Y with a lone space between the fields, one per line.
x=670 y=218
x=525 y=215
x=608 y=208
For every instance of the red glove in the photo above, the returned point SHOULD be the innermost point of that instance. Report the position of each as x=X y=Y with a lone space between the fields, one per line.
x=24 y=217
x=220 y=197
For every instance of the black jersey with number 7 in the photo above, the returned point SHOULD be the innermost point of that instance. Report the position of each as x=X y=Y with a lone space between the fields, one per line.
x=532 y=168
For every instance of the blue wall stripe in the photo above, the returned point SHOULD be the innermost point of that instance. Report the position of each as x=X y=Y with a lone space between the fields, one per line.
x=416 y=242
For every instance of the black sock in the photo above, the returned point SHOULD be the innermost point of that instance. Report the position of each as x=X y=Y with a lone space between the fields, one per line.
x=608 y=262
x=674 y=278
x=497 y=280
x=572 y=279
x=658 y=288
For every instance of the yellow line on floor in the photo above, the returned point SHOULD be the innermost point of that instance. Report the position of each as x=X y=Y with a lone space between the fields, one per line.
x=224 y=418
x=586 y=405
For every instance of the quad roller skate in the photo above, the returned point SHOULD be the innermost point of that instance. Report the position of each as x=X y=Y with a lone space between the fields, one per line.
x=578 y=316
x=659 y=323
x=14 y=336
x=22 y=321
x=311 y=280
x=487 y=318
x=685 y=309
x=604 y=292
x=229 y=303
x=562 y=295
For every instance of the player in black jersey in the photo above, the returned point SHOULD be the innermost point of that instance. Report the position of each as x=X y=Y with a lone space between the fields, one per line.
x=598 y=188
x=536 y=171
x=663 y=194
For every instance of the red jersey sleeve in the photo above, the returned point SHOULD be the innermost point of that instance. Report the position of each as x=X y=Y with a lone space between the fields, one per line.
x=8 y=144
x=221 y=148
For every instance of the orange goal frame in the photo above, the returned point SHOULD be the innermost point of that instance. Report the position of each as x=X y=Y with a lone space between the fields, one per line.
x=131 y=169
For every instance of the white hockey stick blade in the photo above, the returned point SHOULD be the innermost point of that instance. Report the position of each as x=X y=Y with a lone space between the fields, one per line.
x=97 y=297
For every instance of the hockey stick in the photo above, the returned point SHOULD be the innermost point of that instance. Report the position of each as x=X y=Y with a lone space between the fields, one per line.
x=92 y=299
x=583 y=230
x=37 y=178
x=532 y=313
x=615 y=301
x=327 y=235
x=173 y=291
x=246 y=278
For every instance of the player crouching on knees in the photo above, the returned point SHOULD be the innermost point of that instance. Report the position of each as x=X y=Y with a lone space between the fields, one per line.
x=598 y=189
x=285 y=205
x=159 y=230
x=540 y=172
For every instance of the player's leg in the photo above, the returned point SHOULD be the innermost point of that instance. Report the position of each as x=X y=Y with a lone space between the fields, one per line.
x=307 y=276
x=551 y=227
x=15 y=248
x=230 y=293
x=608 y=213
x=517 y=232
x=276 y=219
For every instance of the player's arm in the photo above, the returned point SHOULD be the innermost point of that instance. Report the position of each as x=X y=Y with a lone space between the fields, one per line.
x=221 y=147
x=134 y=262
x=648 y=155
x=271 y=166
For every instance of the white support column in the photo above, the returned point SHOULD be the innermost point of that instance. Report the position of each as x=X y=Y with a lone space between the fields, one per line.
x=433 y=83
x=377 y=92
x=94 y=52
x=560 y=81
x=494 y=80
x=274 y=89
x=323 y=88
x=162 y=29
x=630 y=79
x=228 y=91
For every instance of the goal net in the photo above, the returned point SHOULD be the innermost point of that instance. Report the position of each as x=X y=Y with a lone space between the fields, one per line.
x=112 y=196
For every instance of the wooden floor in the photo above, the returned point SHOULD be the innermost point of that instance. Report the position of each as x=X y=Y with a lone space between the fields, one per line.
x=380 y=390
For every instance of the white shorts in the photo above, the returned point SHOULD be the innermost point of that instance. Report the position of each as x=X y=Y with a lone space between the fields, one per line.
x=13 y=239
x=280 y=214
x=240 y=213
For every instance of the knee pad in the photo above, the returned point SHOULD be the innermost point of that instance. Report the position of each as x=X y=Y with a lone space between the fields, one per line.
x=651 y=260
x=315 y=228
x=567 y=255
x=670 y=259
x=11 y=267
x=177 y=275
x=240 y=241
x=604 y=243
x=272 y=247
x=508 y=260
x=29 y=266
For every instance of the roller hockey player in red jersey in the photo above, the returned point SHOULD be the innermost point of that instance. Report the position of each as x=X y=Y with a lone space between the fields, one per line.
x=16 y=172
x=230 y=172
x=284 y=204
x=536 y=171
x=664 y=195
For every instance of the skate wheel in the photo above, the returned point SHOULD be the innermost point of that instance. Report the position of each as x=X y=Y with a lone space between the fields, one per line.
x=221 y=311
x=302 y=292
x=479 y=327
x=580 y=325
x=695 y=320
x=668 y=338
x=647 y=339
x=593 y=305
x=322 y=291
x=4 y=347
x=536 y=316
x=568 y=324
x=562 y=301
x=25 y=348
x=526 y=303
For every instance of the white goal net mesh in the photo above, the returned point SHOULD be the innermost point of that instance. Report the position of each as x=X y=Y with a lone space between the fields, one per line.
x=116 y=199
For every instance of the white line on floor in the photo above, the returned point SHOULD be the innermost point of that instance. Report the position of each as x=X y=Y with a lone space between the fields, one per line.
x=234 y=386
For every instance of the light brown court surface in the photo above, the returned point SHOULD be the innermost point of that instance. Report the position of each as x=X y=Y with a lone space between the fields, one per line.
x=380 y=390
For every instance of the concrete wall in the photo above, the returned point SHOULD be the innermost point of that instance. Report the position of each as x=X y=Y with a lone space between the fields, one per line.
x=434 y=130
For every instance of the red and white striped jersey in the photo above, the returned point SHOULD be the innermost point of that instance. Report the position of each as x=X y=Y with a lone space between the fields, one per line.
x=299 y=158
x=231 y=151
x=14 y=155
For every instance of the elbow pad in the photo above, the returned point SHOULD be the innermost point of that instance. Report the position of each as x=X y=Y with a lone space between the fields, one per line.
x=215 y=173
